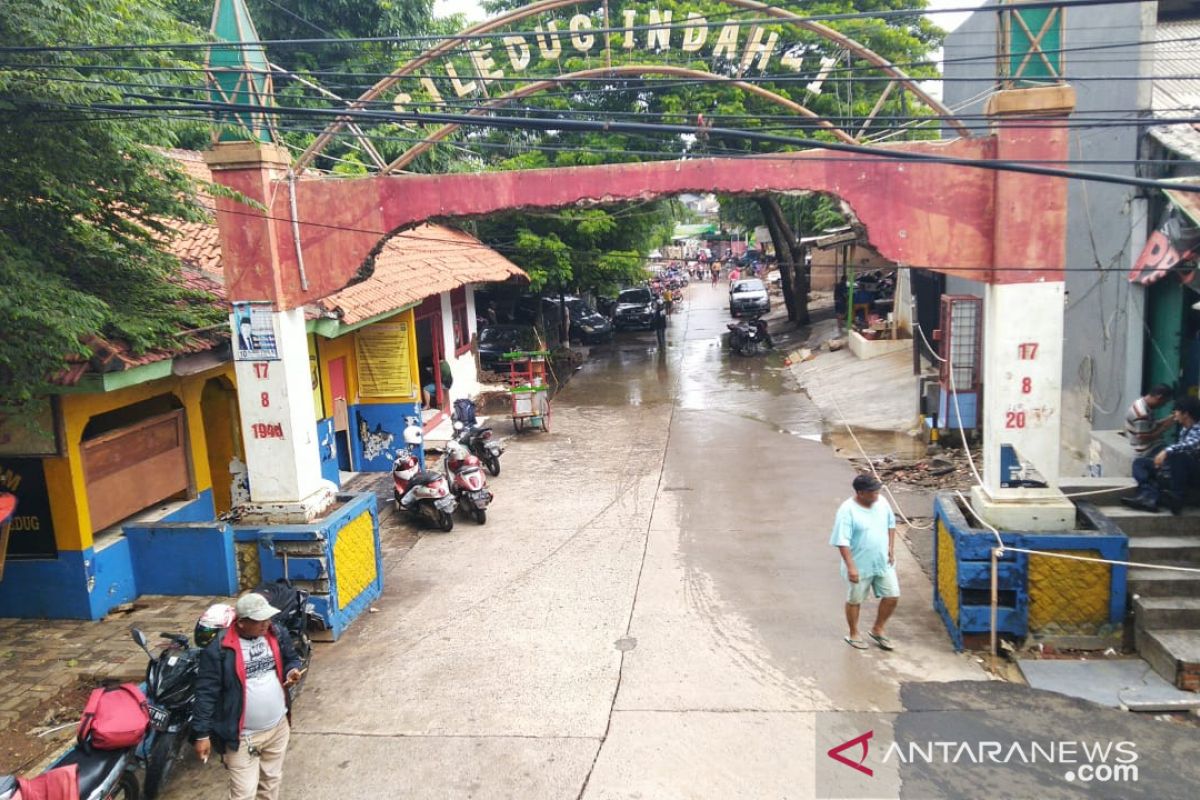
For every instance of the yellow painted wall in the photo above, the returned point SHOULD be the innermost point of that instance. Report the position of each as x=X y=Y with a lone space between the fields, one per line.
x=947 y=572
x=64 y=475
x=221 y=428
x=354 y=558
x=344 y=347
x=1068 y=596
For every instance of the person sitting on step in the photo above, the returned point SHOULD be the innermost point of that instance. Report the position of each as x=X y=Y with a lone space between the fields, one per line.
x=1177 y=465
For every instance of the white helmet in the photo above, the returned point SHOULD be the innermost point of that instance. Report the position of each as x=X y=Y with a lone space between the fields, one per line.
x=215 y=619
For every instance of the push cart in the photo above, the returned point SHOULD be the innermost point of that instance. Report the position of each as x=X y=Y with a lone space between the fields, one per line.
x=529 y=389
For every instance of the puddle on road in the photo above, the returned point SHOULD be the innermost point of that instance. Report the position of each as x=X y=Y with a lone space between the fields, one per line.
x=876 y=443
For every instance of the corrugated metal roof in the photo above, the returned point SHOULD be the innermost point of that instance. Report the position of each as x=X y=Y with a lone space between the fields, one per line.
x=1176 y=88
x=1175 y=84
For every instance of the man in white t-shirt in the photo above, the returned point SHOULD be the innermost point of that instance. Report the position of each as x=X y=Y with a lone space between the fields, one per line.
x=1144 y=433
x=864 y=532
x=241 y=705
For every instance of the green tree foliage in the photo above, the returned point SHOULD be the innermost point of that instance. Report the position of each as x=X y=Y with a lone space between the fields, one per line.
x=902 y=40
x=589 y=249
x=324 y=19
x=86 y=203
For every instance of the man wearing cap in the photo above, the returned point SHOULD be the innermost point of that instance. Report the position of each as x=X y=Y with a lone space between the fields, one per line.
x=864 y=532
x=241 y=707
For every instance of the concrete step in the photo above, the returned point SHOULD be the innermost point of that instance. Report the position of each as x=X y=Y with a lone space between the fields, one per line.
x=1157 y=549
x=1146 y=582
x=1143 y=523
x=1172 y=612
x=1174 y=654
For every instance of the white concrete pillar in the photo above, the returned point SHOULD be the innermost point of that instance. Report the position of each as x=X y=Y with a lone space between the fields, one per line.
x=1022 y=380
x=275 y=401
x=1022 y=403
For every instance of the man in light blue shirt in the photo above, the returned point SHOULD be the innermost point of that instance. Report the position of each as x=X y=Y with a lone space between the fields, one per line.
x=864 y=532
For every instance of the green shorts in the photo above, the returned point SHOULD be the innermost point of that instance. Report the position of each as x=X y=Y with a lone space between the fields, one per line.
x=884 y=585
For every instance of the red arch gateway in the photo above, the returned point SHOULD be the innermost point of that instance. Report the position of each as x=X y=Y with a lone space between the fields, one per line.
x=997 y=227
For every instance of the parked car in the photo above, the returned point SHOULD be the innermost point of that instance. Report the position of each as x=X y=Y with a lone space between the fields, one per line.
x=497 y=340
x=749 y=296
x=635 y=309
x=587 y=325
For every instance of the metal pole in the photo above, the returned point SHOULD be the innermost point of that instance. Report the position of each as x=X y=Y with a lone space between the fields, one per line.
x=995 y=600
x=291 y=178
x=849 y=297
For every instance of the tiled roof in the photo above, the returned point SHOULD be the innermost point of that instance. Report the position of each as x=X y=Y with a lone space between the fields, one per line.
x=412 y=265
x=416 y=264
x=115 y=356
x=198 y=246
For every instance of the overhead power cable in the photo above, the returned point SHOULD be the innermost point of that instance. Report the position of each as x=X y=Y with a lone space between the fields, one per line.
x=832 y=72
x=854 y=15
x=492 y=121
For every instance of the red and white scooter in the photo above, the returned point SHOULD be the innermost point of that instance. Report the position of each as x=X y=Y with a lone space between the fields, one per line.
x=467 y=479
x=422 y=493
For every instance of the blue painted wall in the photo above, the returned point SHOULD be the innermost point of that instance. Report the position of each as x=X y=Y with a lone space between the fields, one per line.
x=378 y=432
x=199 y=510
x=327 y=447
x=59 y=588
x=53 y=588
x=183 y=558
x=114 y=584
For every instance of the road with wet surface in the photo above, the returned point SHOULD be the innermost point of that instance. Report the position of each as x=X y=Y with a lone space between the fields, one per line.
x=652 y=609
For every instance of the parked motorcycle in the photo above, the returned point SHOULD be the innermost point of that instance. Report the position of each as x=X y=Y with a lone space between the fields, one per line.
x=482 y=443
x=293 y=619
x=171 y=692
x=749 y=337
x=465 y=473
x=102 y=774
x=422 y=493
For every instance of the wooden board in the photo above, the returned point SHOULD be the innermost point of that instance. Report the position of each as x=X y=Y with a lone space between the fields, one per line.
x=129 y=469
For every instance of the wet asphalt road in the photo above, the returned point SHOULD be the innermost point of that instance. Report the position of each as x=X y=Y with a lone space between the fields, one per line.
x=651 y=611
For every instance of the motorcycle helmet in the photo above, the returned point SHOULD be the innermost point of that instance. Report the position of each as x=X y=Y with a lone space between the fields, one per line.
x=217 y=618
x=456 y=452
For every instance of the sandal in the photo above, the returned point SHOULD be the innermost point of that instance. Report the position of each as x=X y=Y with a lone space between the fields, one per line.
x=884 y=642
x=857 y=644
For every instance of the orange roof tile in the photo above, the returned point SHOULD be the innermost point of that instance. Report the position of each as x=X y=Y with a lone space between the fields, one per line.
x=416 y=264
x=411 y=266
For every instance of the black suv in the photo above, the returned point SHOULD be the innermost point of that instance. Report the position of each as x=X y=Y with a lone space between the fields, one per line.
x=635 y=309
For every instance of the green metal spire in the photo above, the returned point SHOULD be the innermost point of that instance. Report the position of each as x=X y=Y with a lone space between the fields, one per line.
x=239 y=74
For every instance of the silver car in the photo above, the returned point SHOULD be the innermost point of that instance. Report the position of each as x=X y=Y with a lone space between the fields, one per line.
x=748 y=296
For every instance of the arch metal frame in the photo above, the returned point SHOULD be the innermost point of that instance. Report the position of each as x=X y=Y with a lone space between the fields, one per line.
x=447 y=46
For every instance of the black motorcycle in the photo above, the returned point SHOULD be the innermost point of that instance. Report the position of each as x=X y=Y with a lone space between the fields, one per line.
x=481 y=443
x=101 y=774
x=293 y=618
x=749 y=337
x=478 y=440
x=171 y=692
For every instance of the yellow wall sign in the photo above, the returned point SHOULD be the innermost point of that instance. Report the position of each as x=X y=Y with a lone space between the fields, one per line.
x=386 y=367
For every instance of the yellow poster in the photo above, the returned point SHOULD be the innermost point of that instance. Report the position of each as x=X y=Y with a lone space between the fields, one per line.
x=385 y=363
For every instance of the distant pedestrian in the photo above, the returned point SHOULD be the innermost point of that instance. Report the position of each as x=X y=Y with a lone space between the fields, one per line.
x=1178 y=465
x=660 y=325
x=864 y=532
x=1144 y=433
x=716 y=274
x=241 y=708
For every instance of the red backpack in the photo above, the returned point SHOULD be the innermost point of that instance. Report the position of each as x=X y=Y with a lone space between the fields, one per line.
x=114 y=718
